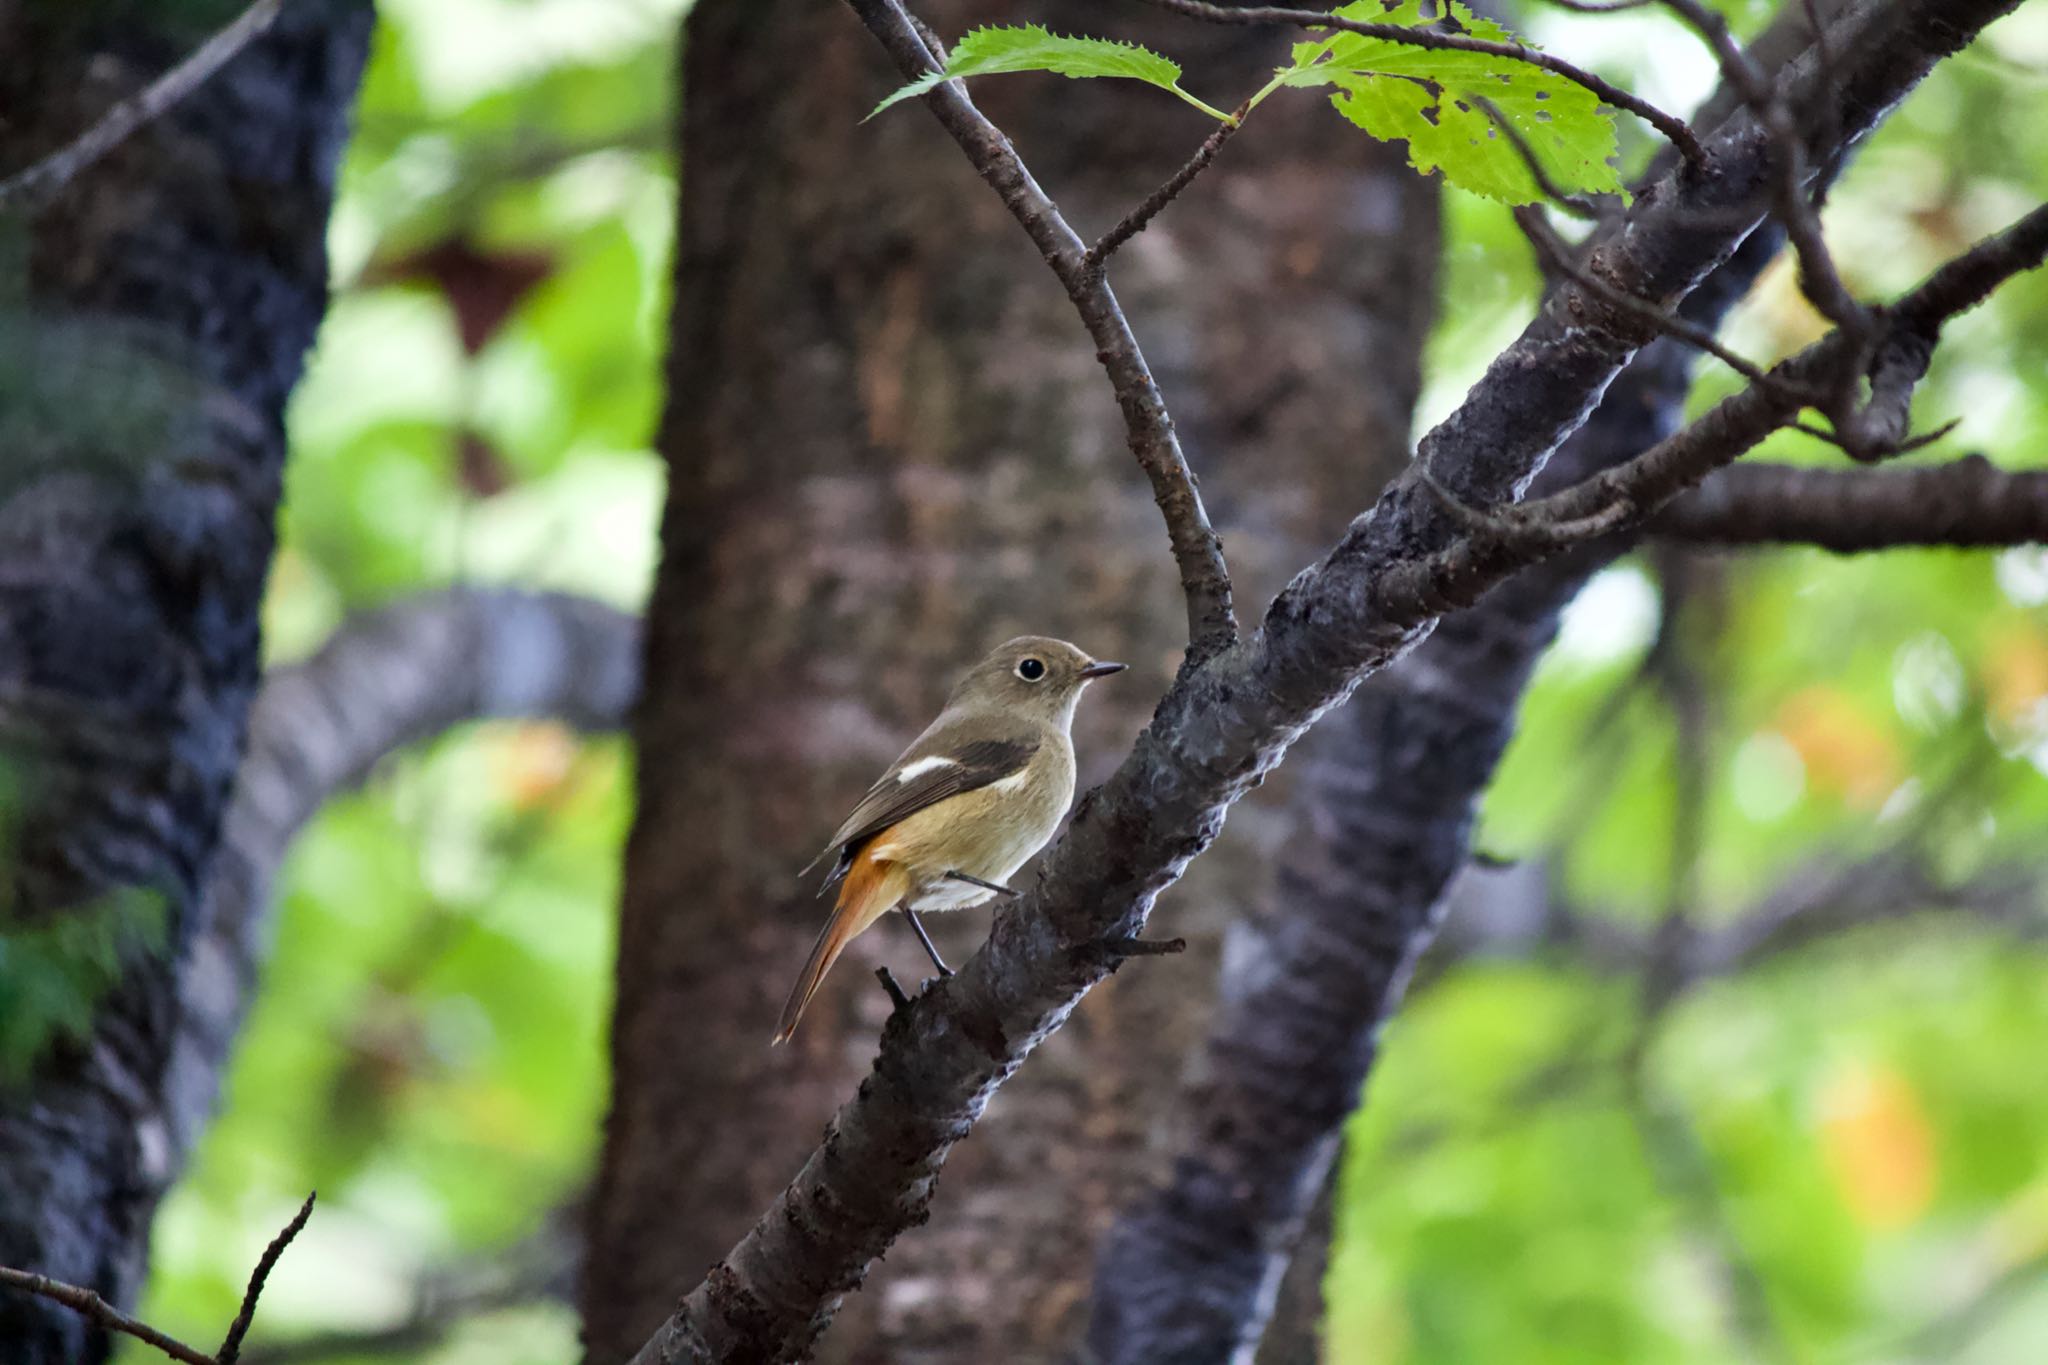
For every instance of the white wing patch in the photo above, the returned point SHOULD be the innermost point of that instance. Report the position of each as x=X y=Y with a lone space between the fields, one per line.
x=1013 y=781
x=925 y=765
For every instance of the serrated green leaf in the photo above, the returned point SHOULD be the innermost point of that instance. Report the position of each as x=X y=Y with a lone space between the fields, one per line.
x=1032 y=47
x=1431 y=100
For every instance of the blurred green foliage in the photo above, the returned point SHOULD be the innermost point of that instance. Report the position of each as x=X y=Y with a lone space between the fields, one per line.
x=1839 y=1154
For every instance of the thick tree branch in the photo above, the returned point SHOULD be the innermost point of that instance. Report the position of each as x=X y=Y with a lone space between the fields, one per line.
x=388 y=678
x=36 y=186
x=1502 y=915
x=1228 y=721
x=1205 y=579
x=1969 y=502
x=1818 y=278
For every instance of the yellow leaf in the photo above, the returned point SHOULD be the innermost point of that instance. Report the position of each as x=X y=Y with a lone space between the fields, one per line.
x=2015 y=672
x=1879 y=1145
x=534 y=762
x=1847 y=754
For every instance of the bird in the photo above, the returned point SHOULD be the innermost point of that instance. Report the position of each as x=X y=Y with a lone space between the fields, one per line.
x=962 y=808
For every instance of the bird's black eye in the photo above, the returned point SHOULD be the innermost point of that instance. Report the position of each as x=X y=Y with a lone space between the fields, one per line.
x=1031 y=670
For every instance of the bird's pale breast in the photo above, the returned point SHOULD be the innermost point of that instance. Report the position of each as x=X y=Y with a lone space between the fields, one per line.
x=988 y=833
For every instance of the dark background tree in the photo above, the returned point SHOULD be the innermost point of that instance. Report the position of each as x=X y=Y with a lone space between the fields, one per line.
x=444 y=1044
x=158 y=310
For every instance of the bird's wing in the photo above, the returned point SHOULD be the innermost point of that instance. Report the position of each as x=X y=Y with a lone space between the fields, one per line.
x=937 y=766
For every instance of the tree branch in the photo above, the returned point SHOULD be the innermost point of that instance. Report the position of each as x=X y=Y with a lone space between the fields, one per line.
x=1810 y=905
x=1966 y=503
x=388 y=678
x=93 y=1308
x=32 y=188
x=231 y=1346
x=1205 y=578
x=1228 y=721
x=1629 y=494
x=1818 y=278
x=1134 y=222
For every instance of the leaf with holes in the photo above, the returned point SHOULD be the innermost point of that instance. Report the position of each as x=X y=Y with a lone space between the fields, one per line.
x=1031 y=47
x=1437 y=102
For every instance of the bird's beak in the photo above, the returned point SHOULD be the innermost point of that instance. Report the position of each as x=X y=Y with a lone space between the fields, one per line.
x=1102 y=670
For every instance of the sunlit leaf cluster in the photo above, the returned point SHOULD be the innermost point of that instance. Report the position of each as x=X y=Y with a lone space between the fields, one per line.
x=1476 y=117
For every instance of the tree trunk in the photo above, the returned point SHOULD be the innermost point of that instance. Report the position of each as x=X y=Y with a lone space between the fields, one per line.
x=152 y=323
x=889 y=448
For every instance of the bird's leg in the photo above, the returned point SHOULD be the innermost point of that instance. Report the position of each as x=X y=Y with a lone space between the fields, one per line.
x=1005 y=892
x=926 y=940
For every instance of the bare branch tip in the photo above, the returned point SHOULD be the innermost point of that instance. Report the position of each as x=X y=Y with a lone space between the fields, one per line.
x=897 y=999
x=1120 y=949
x=231 y=1348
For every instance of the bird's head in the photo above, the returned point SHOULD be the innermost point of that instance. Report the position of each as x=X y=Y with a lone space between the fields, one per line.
x=1034 y=676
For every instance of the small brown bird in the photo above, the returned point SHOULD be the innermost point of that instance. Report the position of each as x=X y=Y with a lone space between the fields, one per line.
x=975 y=795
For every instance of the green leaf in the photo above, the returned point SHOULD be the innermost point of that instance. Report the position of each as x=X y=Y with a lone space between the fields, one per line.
x=1032 y=47
x=1431 y=100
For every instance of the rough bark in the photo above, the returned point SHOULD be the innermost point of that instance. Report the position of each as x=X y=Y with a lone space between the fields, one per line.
x=155 y=315
x=943 y=468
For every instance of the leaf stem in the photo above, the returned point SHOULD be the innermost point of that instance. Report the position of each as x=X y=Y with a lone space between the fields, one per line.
x=1279 y=79
x=1210 y=110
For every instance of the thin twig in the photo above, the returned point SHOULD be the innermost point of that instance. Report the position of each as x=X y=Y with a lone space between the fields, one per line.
x=1495 y=540
x=1681 y=1164
x=1946 y=1336
x=1134 y=222
x=1819 y=280
x=93 y=1308
x=1676 y=129
x=89 y=1305
x=34 y=187
x=1197 y=550
x=1959 y=285
x=231 y=1347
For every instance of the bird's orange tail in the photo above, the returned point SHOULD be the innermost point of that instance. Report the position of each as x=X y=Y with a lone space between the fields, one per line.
x=871 y=888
